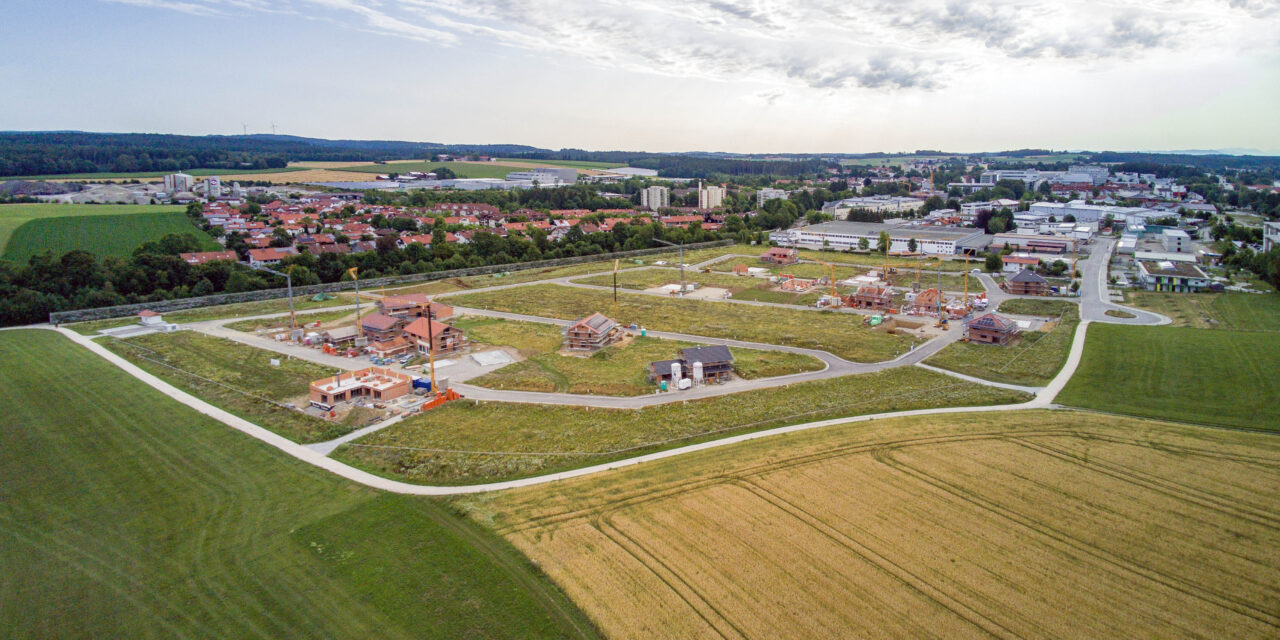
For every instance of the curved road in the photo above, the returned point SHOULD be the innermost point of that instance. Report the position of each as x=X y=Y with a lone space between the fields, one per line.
x=1091 y=306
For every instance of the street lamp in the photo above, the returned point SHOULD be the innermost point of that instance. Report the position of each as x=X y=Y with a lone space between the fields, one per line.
x=288 y=282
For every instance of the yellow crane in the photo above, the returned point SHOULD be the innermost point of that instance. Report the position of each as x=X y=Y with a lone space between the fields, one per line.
x=353 y=271
x=293 y=322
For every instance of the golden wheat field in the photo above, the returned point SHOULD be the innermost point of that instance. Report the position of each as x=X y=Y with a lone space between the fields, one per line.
x=1016 y=525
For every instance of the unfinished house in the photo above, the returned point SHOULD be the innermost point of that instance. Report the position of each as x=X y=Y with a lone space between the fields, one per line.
x=1027 y=283
x=381 y=328
x=798 y=285
x=414 y=305
x=375 y=383
x=926 y=302
x=780 y=255
x=429 y=336
x=871 y=297
x=592 y=333
x=991 y=329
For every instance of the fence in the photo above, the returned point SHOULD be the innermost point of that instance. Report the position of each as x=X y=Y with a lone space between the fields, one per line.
x=165 y=306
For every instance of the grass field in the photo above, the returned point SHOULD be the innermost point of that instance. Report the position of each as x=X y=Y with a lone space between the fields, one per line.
x=1037 y=307
x=234 y=377
x=840 y=333
x=1239 y=311
x=1226 y=378
x=1033 y=360
x=1024 y=525
x=620 y=370
x=470 y=442
x=510 y=277
x=101 y=235
x=304 y=320
x=648 y=278
x=126 y=515
x=13 y=216
x=834 y=257
x=572 y=164
x=237 y=310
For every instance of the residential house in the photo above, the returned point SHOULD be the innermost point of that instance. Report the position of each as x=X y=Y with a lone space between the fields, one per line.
x=991 y=329
x=871 y=297
x=414 y=305
x=375 y=383
x=715 y=363
x=1027 y=283
x=926 y=302
x=780 y=255
x=592 y=333
x=203 y=257
x=435 y=337
x=269 y=256
x=381 y=328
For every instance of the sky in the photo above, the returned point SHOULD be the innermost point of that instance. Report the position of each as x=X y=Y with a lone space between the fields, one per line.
x=758 y=76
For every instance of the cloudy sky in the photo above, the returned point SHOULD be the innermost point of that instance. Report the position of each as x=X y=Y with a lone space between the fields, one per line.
x=658 y=75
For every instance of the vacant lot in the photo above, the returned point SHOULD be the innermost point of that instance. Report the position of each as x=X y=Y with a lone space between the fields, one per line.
x=126 y=515
x=840 y=333
x=304 y=320
x=647 y=278
x=620 y=370
x=101 y=235
x=13 y=216
x=470 y=442
x=512 y=277
x=1033 y=360
x=1239 y=311
x=834 y=257
x=1226 y=378
x=1026 y=525
x=234 y=377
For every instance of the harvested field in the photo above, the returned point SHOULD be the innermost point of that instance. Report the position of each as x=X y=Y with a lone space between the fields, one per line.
x=840 y=333
x=305 y=175
x=1028 y=524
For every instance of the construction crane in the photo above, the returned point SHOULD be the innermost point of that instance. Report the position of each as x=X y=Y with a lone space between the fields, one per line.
x=966 y=284
x=356 y=278
x=919 y=266
x=615 y=290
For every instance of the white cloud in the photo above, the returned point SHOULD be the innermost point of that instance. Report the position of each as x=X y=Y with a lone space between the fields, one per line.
x=821 y=45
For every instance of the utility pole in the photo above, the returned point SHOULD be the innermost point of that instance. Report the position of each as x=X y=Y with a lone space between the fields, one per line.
x=245 y=128
x=352 y=271
x=273 y=128
x=288 y=283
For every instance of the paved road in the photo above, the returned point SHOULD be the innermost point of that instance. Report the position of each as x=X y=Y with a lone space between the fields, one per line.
x=1043 y=399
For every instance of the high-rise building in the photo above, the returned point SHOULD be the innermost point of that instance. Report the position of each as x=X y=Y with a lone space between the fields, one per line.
x=710 y=197
x=766 y=194
x=212 y=187
x=655 y=197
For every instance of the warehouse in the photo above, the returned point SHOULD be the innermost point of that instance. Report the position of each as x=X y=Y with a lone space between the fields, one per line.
x=842 y=236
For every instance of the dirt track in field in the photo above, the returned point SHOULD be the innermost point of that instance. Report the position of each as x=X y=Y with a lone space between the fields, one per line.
x=1029 y=525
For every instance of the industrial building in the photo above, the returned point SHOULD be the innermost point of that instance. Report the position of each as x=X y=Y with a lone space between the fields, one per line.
x=843 y=235
x=546 y=176
x=1175 y=241
x=879 y=204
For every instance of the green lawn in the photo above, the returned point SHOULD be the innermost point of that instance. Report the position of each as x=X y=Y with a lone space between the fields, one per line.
x=107 y=175
x=467 y=441
x=619 y=370
x=1226 y=378
x=101 y=235
x=1037 y=307
x=126 y=515
x=1033 y=360
x=234 y=377
x=460 y=169
x=13 y=216
x=840 y=333
x=1231 y=311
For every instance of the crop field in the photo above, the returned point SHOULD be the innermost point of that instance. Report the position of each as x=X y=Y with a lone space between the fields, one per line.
x=101 y=235
x=572 y=164
x=1033 y=360
x=840 y=333
x=1224 y=378
x=234 y=377
x=13 y=216
x=460 y=169
x=472 y=441
x=124 y=514
x=1026 y=524
x=619 y=370
x=1232 y=311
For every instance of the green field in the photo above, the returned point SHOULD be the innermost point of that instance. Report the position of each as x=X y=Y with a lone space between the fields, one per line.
x=649 y=278
x=1239 y=311
x=126 y=515
x=1226 y=378
x=467 y=441
x=139 y=175
x=838 y=258
x=101 y=235
x=460 y=169
x=234 y=377
x=572 y=164
x=1033 y=360
x=840 y=333
x=619 y=370
x=13 y=216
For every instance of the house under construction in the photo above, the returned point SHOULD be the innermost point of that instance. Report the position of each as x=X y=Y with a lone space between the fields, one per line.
x=592 y=333
x=376 y=383
x=870 y=297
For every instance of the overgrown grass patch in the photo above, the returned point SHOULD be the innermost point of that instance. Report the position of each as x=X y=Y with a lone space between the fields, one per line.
x=460 y=442
x=840 y=333
x=1228 y=311
x=1033 y=360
